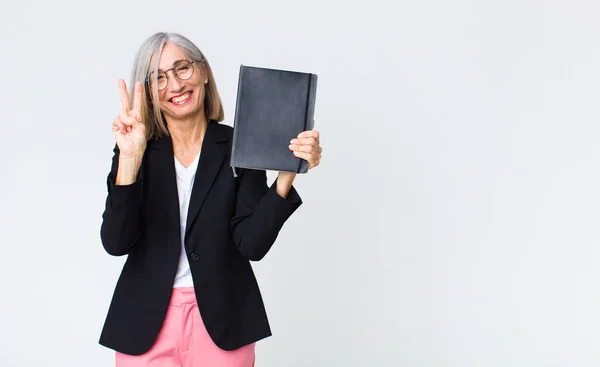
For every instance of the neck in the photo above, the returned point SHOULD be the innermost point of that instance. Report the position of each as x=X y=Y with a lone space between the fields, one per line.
x=188 y=134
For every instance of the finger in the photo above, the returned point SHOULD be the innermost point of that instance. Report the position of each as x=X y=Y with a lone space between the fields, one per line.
x=303 y=155
x=124 y=96
x=122 y=126
x=305 y=141
x=117 y=122
x=137 y=99
x=128 y=120
x=302 y=148
x=118 y=125
x=308 y=134
x=311 y=159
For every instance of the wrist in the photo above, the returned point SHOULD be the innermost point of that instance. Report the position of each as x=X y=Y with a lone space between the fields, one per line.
x=129 y=166
x=286 y=177
x=137 y=154
x=284 y=183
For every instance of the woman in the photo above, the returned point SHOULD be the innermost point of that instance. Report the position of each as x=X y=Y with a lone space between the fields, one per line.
x=187 y=295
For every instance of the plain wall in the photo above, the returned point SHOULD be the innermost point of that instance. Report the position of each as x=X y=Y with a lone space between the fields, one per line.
x=453 y=221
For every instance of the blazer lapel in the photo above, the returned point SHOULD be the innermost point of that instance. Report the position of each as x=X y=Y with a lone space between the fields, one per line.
x=212 y=156
x=163 y=148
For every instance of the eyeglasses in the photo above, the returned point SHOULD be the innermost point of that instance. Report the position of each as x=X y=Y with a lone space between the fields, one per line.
x=183 y=70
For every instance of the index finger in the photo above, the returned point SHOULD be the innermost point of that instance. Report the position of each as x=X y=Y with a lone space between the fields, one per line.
x=309 y=134
x=124 y=96
x=137 y=98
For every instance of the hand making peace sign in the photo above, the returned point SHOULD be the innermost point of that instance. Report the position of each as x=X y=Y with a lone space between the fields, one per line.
x=128 y=128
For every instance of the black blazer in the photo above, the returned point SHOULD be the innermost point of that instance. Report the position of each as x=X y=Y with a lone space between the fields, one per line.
x=231 y=221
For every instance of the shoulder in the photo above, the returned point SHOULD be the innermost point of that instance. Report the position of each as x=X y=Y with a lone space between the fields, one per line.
x=223 y=127
x=225 y=131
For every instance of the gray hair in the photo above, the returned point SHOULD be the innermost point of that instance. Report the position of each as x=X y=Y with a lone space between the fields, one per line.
x=152 y=116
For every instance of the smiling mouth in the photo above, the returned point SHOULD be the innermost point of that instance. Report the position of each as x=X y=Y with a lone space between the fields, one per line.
x=181 y=99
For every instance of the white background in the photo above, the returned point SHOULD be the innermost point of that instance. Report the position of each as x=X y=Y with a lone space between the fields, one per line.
x=453 y=221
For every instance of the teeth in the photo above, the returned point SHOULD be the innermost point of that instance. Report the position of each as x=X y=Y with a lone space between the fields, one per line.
x=181 y=98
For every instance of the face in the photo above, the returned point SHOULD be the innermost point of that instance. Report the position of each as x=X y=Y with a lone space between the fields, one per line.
x=181 y=99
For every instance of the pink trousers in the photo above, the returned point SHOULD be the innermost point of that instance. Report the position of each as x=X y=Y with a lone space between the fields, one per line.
x=184 y=342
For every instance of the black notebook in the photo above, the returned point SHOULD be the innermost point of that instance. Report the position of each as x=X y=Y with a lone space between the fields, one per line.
x=272 y=107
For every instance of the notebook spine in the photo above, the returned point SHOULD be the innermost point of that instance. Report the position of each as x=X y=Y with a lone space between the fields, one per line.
x=235 y=120
x=308 y=116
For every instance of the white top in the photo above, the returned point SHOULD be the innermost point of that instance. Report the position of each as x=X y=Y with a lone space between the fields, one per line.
x=185 y=182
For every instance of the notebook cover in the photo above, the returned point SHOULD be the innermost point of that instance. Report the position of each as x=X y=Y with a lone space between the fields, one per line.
x=272 y=107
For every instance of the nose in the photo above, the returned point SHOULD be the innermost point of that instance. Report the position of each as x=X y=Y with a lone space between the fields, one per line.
x=175 y=83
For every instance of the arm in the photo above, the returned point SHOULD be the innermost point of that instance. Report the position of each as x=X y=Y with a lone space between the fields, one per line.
x=284 y=183
x=121 y=220
x=261 y=211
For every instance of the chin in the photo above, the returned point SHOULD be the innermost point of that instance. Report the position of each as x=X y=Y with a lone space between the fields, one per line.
x=181 y=113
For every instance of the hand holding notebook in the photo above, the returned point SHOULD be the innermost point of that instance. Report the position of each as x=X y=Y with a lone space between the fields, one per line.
x=307 y=146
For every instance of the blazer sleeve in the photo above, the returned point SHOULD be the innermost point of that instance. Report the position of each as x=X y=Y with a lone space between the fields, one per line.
x=260 y=213
x=122 y=218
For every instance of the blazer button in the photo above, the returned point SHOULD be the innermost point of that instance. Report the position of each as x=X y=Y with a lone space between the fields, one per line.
x=194 y=256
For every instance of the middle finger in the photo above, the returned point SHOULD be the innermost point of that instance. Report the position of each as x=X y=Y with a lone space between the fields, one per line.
x=301 y=148
x=124 y=96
